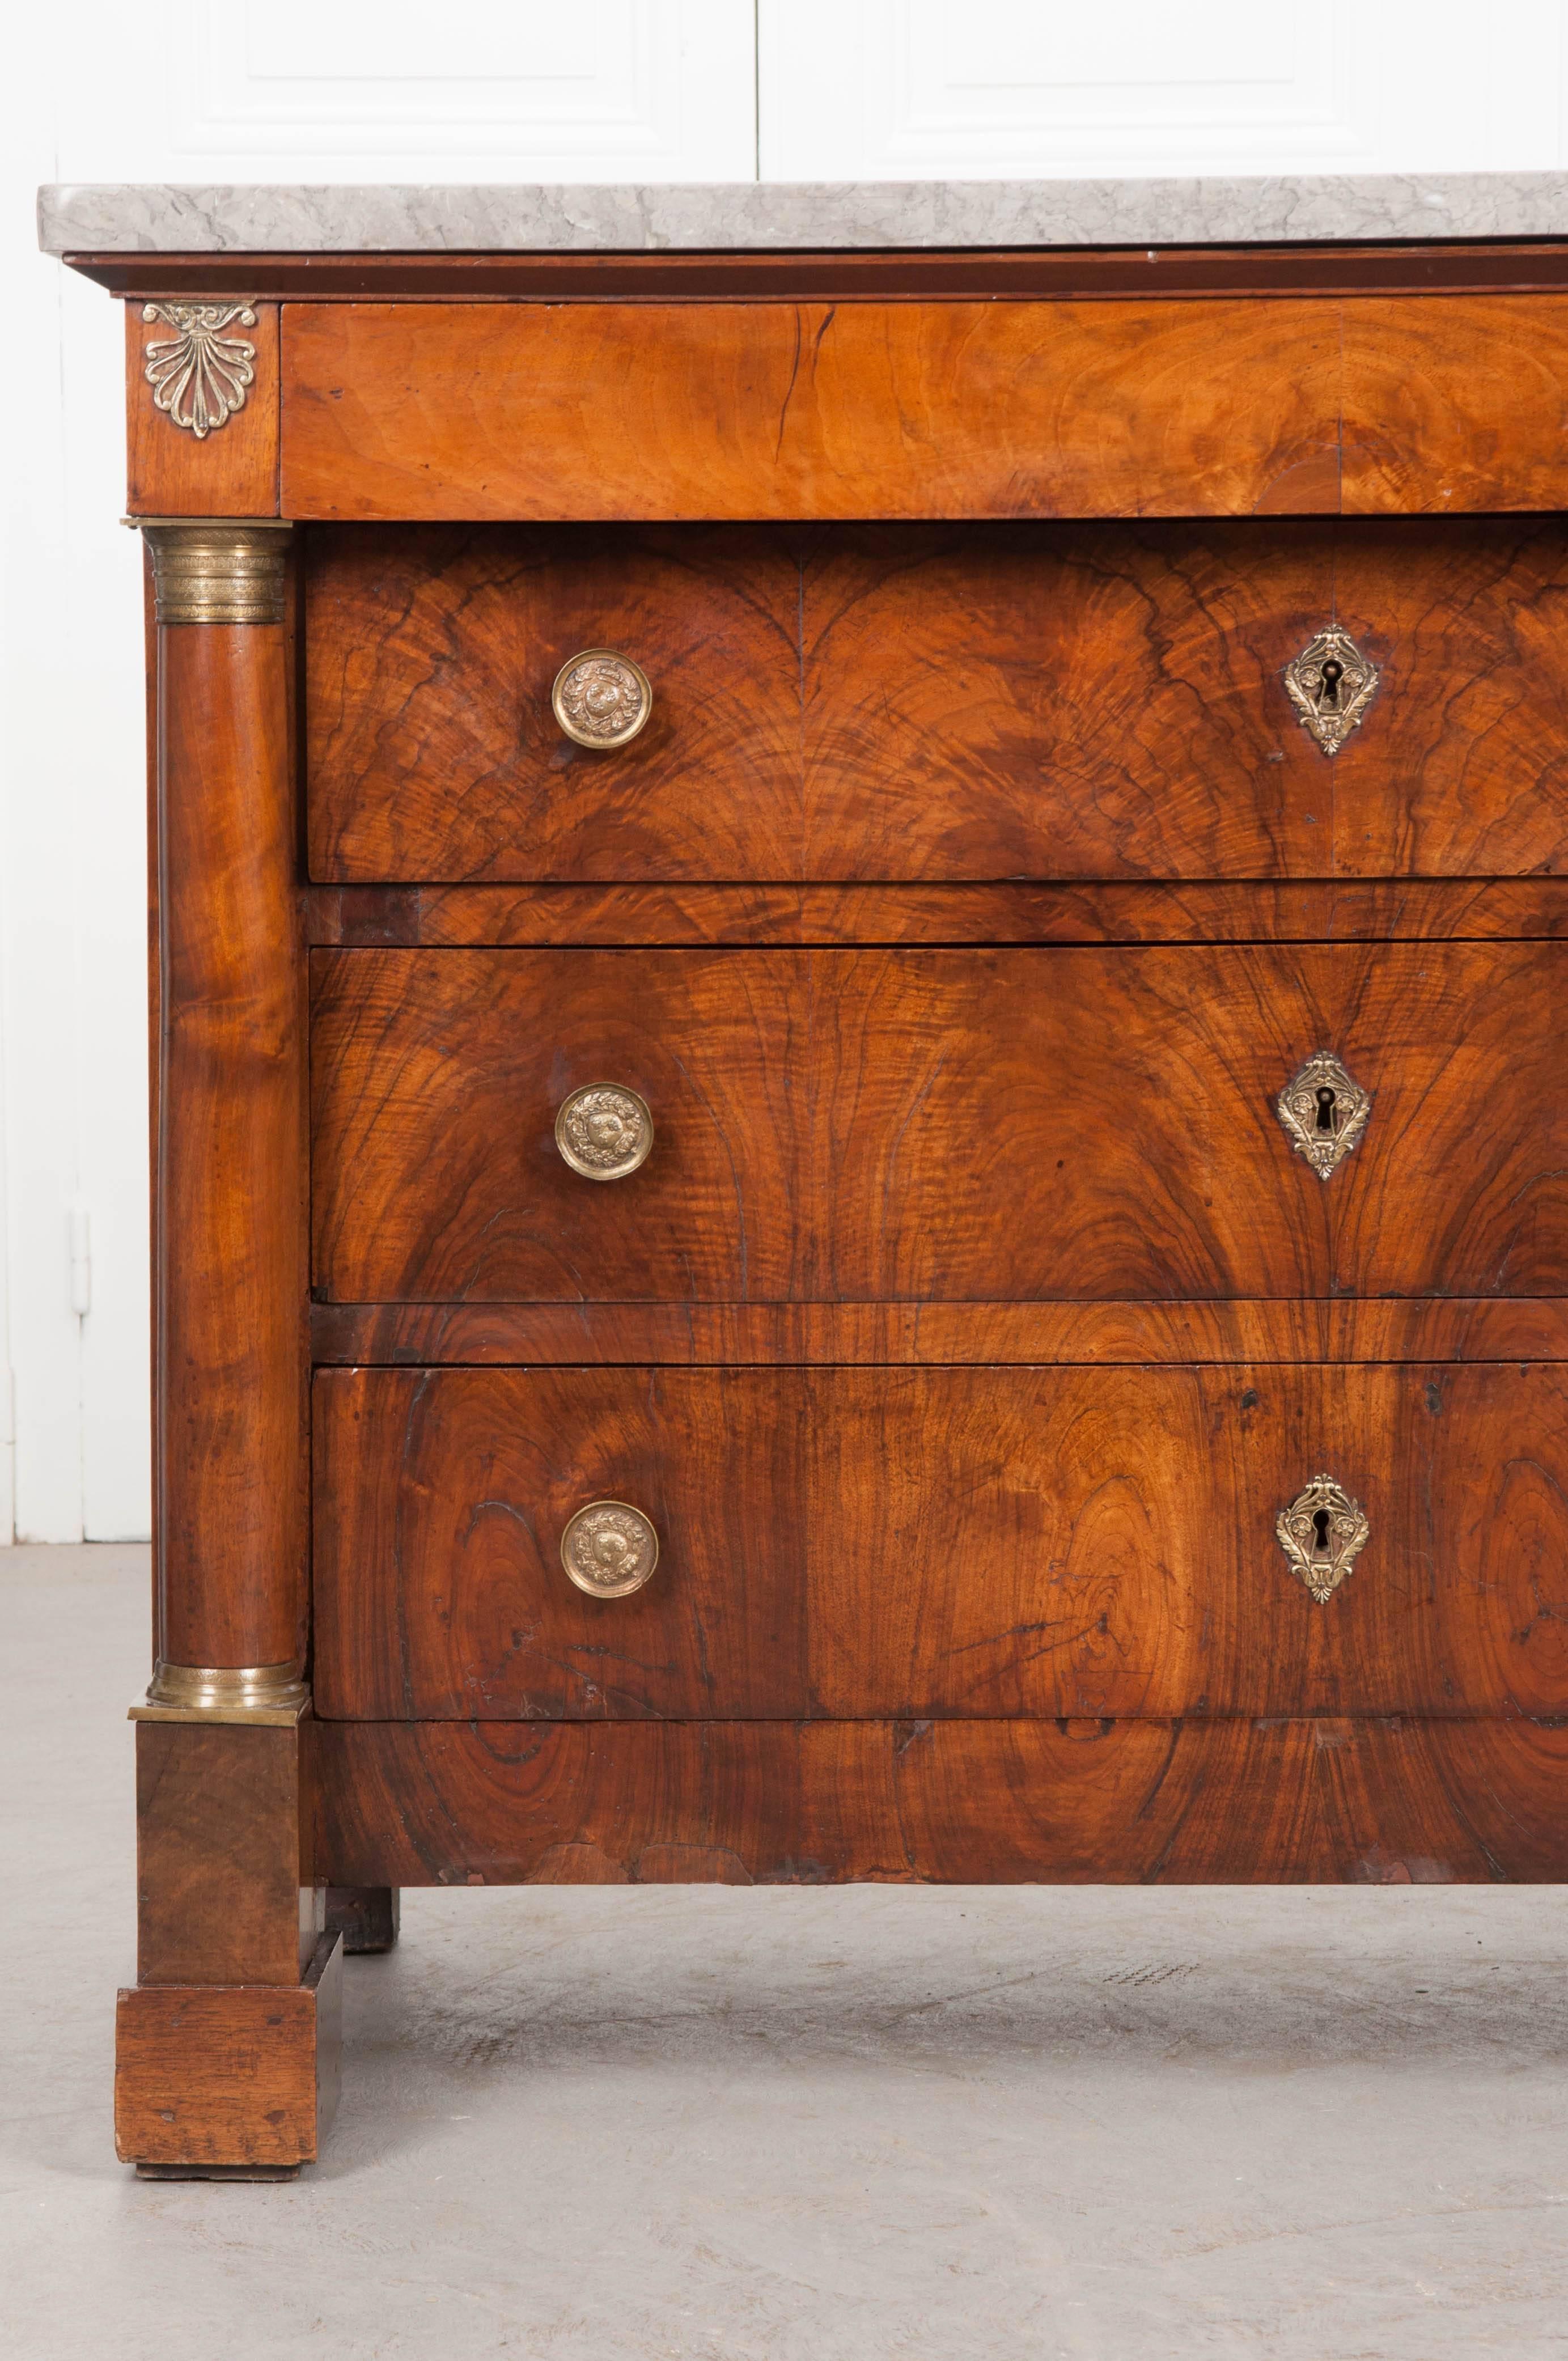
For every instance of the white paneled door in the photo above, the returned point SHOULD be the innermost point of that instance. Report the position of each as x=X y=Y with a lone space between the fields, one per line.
x=898 y=90
x=502 y=90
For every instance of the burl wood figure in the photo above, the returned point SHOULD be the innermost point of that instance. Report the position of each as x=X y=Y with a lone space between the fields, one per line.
x=861 y=1156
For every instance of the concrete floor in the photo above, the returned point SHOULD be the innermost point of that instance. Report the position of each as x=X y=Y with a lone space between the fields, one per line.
x=721 y=2124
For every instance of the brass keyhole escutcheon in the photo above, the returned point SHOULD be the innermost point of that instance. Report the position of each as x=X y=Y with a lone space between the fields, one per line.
x=601 y=698
x=1324 y=1112
x=1322 y=1532
x=1331 y=684
x=604 y=1131
x=610 y=1549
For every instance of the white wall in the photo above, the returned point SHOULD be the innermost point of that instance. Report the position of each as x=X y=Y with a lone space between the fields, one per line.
x=285 y=90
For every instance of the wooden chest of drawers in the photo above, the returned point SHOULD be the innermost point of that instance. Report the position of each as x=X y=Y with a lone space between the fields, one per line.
x=862 y=1153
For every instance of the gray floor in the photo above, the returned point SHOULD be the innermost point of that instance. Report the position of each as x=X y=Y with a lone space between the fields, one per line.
x=764 y=2126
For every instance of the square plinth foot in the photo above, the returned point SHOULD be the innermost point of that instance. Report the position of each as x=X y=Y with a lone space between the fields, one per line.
x=234 y=2082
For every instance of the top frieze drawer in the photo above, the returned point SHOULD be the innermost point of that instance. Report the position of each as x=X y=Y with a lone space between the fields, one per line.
x=1264 y=699
x=653 y=412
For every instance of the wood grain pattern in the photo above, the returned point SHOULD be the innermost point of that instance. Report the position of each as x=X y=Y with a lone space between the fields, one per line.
x=1103 y=1543
x=230 y=1214
x=1454 y=406
x=984 y=1803
x=433 y=748
x=843 y=1543
x=1461 y=765
x=233 y=471
x=935 y=408
x=229 y=2076
x=920 y=703
x=370 y=918
x=488 y=1053
x=1100 y=1122
x=1027 y=701
x=939 y=1126
x=775 y=411
x=1069 y=1334
x=507 y=1458
x=223 y=1893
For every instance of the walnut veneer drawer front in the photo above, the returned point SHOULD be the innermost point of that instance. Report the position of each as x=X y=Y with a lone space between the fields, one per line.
x=938 y=704
x=971 y=1542
x=917 y=409
x=953 y=1125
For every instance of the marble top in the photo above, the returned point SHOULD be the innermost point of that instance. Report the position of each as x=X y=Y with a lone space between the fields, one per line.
x=129 y=218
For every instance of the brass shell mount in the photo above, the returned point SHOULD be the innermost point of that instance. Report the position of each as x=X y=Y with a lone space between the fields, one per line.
x=1323 y=1110
x=601 y=698
x=604 y=1131
x=1322 y=1533
x=199 y=375
x=610 y=1549
x=272 y=1695
x=217 y=570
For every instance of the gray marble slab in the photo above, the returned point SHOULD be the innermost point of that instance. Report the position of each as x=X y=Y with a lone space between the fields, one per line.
x=128 y=218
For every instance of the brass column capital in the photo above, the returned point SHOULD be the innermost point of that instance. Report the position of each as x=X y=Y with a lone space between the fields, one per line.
x=217 y=570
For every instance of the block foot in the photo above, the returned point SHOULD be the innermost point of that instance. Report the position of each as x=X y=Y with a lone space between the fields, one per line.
x=367 y=1917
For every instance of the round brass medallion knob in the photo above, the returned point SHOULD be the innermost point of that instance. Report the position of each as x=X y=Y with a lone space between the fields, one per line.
x=601 y=698
x=604 y=1131
x=610 y=1549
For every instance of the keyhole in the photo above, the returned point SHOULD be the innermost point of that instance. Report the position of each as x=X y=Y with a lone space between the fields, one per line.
x=1332 y=674
x=1326 y=1108
x=1321 y=1527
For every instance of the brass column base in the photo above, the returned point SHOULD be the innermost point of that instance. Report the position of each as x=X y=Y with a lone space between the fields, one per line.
x=272 y=1695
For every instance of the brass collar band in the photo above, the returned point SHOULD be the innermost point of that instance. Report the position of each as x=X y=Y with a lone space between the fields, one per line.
x=207 y=570
x=273 y=1694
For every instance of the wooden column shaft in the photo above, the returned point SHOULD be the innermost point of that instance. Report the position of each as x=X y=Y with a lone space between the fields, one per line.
x=231 y=1275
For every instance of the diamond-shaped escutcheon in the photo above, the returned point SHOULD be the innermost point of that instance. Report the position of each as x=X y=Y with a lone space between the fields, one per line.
x=1331 y=684
x=1322 y=1534
x=1324 y=1110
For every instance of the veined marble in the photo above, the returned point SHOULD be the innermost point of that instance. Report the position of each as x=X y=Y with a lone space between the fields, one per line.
x=130 y=218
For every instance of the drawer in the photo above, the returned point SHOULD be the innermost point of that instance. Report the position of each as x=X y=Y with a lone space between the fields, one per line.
x=857 y=1543
x=937 y=703
x=974 y=1126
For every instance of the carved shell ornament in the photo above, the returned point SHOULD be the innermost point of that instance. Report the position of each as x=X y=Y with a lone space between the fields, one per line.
x=610 y=1549
x=601 y=698
x=1324 y=1111
x=199 y=374
x=1322 y=1534
x=1331 y=684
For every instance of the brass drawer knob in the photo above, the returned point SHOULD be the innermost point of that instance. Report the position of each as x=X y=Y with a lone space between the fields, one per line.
x=610 y=1549
x=1322 y=1533
x=604 y=1131
x=601 y=698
